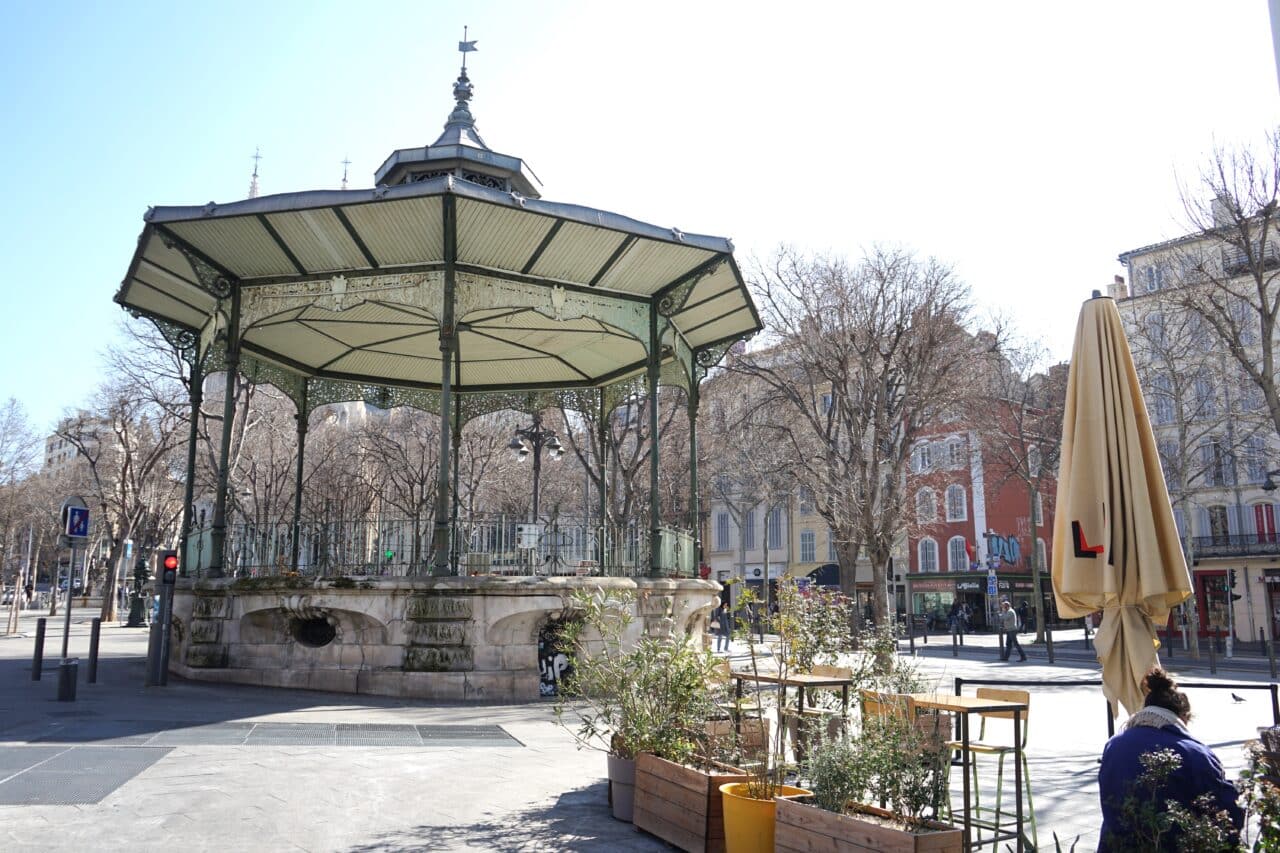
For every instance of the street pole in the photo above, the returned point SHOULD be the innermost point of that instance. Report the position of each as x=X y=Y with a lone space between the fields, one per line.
x=66 y=623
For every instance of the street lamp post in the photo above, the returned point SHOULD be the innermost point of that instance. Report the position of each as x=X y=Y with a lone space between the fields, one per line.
x=532 y=440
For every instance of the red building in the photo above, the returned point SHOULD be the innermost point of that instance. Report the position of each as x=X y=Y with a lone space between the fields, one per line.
x=973 y=514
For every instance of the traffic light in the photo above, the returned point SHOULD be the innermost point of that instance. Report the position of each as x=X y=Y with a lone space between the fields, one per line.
x=168 y=567
x=1231 y=578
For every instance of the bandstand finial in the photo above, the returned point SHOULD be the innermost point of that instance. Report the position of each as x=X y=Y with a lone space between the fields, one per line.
x=346 y=161
x=253 y=182
x=462 y=88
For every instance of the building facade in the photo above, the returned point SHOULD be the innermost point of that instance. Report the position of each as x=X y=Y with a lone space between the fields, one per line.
x=970 y=521
x=1217 y=443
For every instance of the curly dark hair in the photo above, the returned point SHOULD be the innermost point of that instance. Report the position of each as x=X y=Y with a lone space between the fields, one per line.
x=1162 y=692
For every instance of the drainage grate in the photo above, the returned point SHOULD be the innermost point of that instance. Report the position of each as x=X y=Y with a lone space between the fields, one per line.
x=170 y=733
x=77 y=776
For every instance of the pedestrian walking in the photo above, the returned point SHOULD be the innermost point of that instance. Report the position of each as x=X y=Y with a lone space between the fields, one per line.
x=1009 y=624
x=1022 y=616
x=722 y=624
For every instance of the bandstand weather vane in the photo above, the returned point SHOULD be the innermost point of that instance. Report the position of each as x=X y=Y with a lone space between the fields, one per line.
x=465 y=47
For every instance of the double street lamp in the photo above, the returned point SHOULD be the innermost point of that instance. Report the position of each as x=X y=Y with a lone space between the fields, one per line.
x=533 y=440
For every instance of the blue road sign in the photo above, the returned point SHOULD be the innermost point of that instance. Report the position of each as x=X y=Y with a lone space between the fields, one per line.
x=991 y=583
x=78 y=522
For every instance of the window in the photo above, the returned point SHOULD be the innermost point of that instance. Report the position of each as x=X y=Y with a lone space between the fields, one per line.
x=920 y=458
x=1206 y=398
x=832 y=556
x=808 y=547
x=955 y=453
x=1219 y=525
x=1251 y=396
x=1034 y=460
x=775 y=528
x=1152 y=277
x=1264 y=522
x=957 y=556
x=1040 y=555
x=926 y=507
x=1217 y=463
x=749 y=529
x=722 y=531
x=1038 y=517
x=1153 y=328
x=806 y=500
x=1169 y=457
x=928 y=550
x=1255 y=459
x=956 y=508
x=1162 y=400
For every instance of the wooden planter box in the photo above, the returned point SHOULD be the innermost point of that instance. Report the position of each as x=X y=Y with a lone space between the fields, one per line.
x=681 y=805
x=802 y=828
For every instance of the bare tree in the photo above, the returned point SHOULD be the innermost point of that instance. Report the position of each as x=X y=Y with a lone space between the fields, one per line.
x=19 y=447
x=863 y=357
x=1020 y=418
x=1204 y=411
x=1229 y=268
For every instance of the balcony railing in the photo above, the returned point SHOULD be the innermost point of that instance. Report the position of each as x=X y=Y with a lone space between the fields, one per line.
x=1236 y=545
x=490 y=545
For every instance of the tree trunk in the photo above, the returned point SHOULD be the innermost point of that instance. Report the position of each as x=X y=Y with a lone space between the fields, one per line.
x=110 y=579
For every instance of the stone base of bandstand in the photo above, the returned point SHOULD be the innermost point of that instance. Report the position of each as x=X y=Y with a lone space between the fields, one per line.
x=447 y=639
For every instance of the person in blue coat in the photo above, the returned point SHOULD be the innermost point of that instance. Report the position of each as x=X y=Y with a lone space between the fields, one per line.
x=1161 y=724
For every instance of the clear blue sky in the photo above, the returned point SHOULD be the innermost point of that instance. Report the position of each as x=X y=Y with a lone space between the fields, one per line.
x=1028 y=144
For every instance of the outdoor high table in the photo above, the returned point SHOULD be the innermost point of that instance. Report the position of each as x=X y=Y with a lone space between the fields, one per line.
x=962 y=707
x=801 y=680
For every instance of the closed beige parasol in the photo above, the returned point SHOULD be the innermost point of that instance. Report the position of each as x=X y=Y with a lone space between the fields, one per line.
x=1115 y=544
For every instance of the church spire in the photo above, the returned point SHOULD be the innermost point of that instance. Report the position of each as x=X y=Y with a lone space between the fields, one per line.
x=253 y=182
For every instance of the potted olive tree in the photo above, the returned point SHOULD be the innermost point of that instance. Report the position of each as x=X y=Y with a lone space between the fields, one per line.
x=631 y=695
x=877 y=790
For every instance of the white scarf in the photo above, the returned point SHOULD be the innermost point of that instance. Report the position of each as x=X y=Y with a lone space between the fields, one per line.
x=1157 y=718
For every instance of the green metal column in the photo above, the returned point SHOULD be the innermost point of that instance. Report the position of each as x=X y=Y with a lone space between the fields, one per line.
x=440 y=536
x=655 y=508
x=218 y=555
x=455 y=548
x=303 y=417
x=195 y=393
x=694 y=397
x=601 y=427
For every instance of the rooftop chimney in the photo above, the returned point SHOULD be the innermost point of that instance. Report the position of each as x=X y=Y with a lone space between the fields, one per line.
x=1118 y=289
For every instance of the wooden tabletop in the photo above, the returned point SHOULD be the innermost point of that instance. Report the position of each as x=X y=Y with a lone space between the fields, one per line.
x=797 y=679
x=964 y=704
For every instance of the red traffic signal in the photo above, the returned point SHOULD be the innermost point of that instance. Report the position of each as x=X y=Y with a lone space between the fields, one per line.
x=168 y=566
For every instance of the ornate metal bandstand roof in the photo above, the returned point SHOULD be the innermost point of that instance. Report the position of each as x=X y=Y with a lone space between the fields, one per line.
x=450 y=286
x=351 y=285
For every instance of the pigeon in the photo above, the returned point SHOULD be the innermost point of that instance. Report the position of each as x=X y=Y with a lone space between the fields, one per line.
x=1235 y=698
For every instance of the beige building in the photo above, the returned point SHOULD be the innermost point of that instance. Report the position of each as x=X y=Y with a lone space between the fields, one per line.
x=1216 y=440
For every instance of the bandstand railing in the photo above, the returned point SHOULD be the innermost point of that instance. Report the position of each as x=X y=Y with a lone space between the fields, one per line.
x=482 y=545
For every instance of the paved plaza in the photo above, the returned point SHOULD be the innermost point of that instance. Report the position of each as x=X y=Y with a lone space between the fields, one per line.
x=203 y=767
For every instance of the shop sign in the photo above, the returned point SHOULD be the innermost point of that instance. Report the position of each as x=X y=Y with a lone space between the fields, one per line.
x=968 y=586
x=932 y=585
x=1271 y=575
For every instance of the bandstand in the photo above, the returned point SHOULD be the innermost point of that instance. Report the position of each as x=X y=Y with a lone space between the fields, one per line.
x=450 y=287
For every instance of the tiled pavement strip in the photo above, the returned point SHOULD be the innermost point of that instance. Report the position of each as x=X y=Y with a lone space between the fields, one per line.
x=180 y=767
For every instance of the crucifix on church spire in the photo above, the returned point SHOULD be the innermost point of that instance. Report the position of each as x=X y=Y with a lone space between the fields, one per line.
x=253 y=182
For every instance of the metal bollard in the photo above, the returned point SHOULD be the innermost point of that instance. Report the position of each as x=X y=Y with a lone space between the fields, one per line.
x=68 y=669
x=153 y=655
x=955 y=648
x=911 y=642
x=37 y=657
x=1262 y=641
x=1168 y=644
x=1213 y=657
x=1048 y=641
x=95 y=632
x=1271 y=658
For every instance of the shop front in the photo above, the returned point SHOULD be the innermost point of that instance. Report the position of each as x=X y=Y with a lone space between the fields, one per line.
x=932 y=596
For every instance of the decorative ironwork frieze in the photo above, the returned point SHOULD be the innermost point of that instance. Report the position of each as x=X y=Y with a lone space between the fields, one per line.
x=421 y=290
x=674 y=299
x=211 y=280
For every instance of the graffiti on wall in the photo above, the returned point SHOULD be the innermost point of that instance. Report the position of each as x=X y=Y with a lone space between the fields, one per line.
x=1004 y=549
x=553 y=663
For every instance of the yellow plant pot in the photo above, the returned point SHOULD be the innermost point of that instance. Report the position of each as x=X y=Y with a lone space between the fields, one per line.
x=748 y=822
